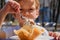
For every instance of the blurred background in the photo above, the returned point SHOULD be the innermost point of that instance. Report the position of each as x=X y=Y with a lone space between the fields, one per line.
x=49 y=15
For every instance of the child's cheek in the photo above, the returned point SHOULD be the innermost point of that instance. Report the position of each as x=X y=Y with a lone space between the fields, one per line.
x=34 y=14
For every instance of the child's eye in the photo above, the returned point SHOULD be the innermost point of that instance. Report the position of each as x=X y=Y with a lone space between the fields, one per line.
x=21 y=9
x=31 y=9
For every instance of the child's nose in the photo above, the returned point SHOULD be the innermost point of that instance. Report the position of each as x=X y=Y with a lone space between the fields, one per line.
x=27 y=12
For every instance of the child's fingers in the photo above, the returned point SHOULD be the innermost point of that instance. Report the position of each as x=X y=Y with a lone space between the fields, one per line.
x=14 y=4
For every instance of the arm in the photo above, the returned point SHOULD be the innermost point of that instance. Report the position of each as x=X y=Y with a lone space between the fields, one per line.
x=3 y=13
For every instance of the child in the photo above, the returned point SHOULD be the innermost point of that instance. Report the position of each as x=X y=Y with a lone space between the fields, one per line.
x=27 y=8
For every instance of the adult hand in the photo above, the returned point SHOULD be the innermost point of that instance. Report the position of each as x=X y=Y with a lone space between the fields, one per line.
x=56 y=35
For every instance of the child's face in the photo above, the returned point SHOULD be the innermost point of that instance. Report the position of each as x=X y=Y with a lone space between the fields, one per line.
x=28 y=9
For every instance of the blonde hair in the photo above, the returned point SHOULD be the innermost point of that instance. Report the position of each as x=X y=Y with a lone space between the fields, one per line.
x=36 y=2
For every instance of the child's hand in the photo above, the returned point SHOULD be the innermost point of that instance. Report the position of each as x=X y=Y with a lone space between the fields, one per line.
x=13 y=7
